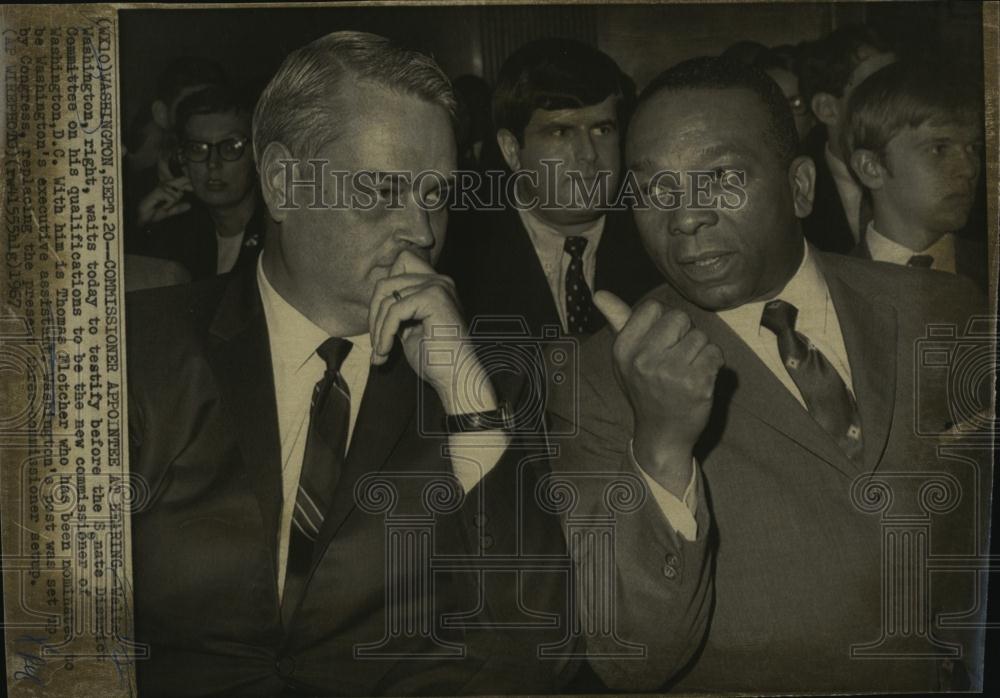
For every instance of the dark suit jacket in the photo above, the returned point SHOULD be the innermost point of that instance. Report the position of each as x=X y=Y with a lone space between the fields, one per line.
x=497 y=271
x=826 y=226
x=799 y=528
x=204 y=440
x=189 y=239
x=971 y=258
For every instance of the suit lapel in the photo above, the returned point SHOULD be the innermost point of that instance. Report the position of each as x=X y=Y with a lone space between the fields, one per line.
x=869 y=330
x=240 y=355
x=529 y=288
x=758 y=392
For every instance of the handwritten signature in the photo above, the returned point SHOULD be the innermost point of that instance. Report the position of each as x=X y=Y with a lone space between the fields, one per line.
x=32 y=663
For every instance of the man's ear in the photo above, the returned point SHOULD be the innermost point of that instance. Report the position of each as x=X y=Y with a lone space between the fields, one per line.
x=276 y=167
x=161 y=114
x=826 y=108
x=868 y=168
x=510 y=149
x=802 y=179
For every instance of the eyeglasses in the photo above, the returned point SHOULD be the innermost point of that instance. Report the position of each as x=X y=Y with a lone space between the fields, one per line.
x=797 y=104
x=230 y=149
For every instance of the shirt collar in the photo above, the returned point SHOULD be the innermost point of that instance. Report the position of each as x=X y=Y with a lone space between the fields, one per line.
x=883 y=249
x=549 y=241
x=806 y=290
x=294 y=338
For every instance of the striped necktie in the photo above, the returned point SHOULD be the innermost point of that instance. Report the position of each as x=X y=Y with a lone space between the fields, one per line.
x=325 y=452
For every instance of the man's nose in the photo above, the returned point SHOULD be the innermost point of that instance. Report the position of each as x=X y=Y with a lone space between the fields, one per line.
x=585 y=150
x=688 y=220
x=968 y=165
x=418 y=231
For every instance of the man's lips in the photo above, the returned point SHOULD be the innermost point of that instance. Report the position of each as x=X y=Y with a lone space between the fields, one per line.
x=706 y=266
x=703 y=258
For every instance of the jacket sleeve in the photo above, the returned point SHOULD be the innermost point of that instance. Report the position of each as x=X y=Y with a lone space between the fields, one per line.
x=643 y=592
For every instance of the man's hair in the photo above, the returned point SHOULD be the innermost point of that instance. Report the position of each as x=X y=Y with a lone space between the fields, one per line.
x=760 y=56
x=555 y=74
x=217 y=99
x=184 y=72
x=904 y=95
x=710 y=72
x=826 y=65
x=298 y=107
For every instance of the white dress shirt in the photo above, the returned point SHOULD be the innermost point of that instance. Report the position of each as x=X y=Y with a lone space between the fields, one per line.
x=549 y=247
x=296 y=367
x=848 y=188
x=883 y=249
x=817 y=320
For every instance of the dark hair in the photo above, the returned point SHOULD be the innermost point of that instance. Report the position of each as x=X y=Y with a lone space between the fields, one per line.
x=759 y=56
x=709 y=72
x=555 y=74
x=826 y=65
x=184 y=72
x=217 y=99
x=904 y=95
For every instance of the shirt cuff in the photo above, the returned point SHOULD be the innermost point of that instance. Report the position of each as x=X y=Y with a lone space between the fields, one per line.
x=680 y=513
x=473 y=455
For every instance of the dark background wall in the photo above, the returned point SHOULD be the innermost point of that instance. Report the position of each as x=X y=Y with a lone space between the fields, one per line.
x=643 y=39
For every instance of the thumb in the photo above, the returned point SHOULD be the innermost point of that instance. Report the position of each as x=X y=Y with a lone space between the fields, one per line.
x=614 y=309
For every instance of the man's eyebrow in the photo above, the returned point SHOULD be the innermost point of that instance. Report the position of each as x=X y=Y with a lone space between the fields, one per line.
x=555 y=123
x=714 y=151
x=605 y=122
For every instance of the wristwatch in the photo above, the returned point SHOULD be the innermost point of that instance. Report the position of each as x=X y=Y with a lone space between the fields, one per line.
x=501 y=418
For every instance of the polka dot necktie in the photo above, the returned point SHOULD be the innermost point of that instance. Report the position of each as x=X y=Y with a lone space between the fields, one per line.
x=828 y=400
x=924 y=261
x=325 y=452
x=582 y=316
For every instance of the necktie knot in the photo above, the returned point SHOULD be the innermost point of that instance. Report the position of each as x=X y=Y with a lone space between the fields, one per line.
x=333 y=351
x=924 y=261
x=779 y=316
x=575 y=245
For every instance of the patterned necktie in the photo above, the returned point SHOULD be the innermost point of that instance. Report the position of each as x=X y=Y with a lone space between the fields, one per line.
x=582 y=316
x=924 y=261
x=828 y=400
x=326 y=449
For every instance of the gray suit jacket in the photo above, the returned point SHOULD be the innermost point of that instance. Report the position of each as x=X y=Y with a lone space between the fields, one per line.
x=808 y=545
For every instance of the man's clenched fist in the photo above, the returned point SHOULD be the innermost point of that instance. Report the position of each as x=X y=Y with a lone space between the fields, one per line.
x=667 y=369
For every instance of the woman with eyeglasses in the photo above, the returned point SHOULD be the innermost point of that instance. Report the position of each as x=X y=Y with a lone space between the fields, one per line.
x=223 y=228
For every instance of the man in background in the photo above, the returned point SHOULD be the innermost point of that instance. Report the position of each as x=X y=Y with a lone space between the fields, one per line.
x=831 y=69
x=559 y=108
x=915 y=142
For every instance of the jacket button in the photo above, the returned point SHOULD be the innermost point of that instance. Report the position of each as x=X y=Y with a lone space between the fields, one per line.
x=671 y=560
x=479 y=520
x=486 y=542
x=669 y=571
x=285 y=666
